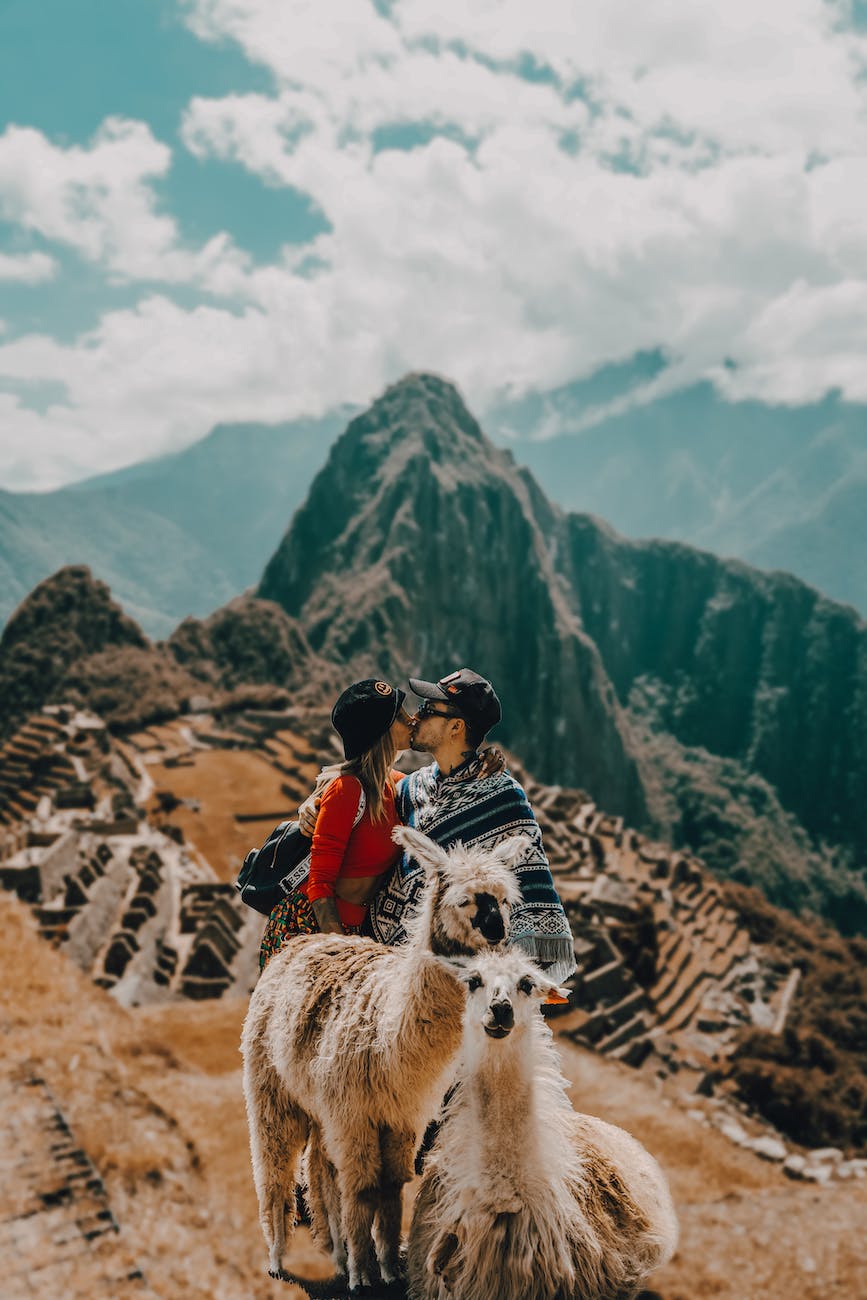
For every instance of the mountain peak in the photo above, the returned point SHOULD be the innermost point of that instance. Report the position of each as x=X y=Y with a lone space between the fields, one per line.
x=421 y=412
x=63 y=622
x=76 y=607
x=421 y=548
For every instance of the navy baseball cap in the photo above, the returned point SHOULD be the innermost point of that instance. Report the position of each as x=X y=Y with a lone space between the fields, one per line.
x=468 y=693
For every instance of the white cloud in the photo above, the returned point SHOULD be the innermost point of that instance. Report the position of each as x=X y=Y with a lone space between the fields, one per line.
x=99 y=201
x=508 y=251
x=301 y=40
x=746 y=124
x=778 y=74
x=27 y=268
x=809 y=340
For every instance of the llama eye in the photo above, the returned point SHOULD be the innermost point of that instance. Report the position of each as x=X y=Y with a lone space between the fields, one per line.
x=465 y=902
x=526 y=985
x=474 y=982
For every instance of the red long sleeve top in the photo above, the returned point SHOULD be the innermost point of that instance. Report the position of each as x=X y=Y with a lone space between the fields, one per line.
x=339 y=851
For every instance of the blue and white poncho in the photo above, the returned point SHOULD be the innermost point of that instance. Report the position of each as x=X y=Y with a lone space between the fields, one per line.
x=478 y=812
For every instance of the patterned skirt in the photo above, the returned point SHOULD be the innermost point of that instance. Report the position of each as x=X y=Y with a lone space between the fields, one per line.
x=292 y=915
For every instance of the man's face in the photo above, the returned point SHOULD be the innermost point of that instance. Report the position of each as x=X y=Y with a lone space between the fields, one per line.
x=432 y=726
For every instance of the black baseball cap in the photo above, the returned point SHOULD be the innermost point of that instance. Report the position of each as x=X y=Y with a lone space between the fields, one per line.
x=364 y=713
x=469 y=694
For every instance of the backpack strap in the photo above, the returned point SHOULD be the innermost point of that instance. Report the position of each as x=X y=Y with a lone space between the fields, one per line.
x=292 y=882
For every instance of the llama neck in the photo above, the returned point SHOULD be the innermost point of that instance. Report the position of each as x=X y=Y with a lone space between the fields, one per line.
x=500 y=1088
x=422 y=1026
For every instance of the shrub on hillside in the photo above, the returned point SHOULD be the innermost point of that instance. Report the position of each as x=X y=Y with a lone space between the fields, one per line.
x=734 y=821
x=254 y=697
x=811 y=1080
x=129 y=687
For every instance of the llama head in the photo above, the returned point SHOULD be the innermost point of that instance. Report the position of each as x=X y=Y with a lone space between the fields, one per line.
x=504 y=991
x=470 y=891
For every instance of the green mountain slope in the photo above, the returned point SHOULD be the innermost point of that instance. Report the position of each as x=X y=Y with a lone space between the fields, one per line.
x=782 y=488
x=175 y=536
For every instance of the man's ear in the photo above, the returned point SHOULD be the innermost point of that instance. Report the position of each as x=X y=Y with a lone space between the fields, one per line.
x=427 y=854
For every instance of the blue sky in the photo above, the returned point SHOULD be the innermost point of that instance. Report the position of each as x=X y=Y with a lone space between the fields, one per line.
x=218 y=210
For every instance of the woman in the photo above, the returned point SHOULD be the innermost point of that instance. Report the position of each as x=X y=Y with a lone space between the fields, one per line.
x=352 y=847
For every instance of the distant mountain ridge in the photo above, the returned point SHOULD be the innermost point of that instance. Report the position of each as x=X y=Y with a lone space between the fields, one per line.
x=174 y=536
x=721 y=708
x=781 y=488
x=179 y=535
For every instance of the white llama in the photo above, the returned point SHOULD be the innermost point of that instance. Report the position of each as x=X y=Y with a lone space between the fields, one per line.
x=352 y=1044
x=522 y=1198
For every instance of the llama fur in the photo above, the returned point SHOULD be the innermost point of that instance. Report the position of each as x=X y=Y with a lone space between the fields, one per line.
x=348 y=1047
x=522 y=1197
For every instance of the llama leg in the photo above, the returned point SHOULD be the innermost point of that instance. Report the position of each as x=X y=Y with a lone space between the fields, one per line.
x=357 y=1159
x=396 y=1148
x=324 y=1201
x=278 y=1131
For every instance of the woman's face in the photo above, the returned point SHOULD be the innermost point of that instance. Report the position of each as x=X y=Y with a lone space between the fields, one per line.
x=401 y=729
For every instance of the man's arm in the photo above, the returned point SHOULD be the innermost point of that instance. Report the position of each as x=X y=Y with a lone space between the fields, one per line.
x=538 y=923
x=308 y=811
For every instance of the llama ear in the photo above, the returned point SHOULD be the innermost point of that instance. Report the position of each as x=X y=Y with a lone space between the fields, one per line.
x=427 y=854
x=508 y=851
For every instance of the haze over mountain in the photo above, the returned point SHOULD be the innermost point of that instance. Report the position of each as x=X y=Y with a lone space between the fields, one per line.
x=780 y=488
x=173 y=536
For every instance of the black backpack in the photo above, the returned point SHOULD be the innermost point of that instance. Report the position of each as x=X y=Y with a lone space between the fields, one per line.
x=280 y=866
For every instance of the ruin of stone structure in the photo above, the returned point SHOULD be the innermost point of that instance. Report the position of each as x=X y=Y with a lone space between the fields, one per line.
x=666 y=973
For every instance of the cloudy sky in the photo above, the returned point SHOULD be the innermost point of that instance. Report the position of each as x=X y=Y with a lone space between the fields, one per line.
x=216 y=210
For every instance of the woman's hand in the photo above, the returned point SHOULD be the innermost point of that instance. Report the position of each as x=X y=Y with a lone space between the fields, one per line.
x=493 y=763
x=307 y=814
x=325 y=911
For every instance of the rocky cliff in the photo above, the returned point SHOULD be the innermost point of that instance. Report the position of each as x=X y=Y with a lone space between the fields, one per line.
x=421 y=548
x=751 y=666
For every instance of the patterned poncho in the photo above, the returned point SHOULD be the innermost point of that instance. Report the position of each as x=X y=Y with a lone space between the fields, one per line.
x=478 y=812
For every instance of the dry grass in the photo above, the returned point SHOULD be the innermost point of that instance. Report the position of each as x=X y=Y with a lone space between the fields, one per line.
x=222 y=783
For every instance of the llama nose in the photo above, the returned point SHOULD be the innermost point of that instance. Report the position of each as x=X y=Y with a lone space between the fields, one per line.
x=503 y=1014
x=488 y=919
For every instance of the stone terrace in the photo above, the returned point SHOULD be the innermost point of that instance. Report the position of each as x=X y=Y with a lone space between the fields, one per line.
x=58 y=1234
x=666 y=974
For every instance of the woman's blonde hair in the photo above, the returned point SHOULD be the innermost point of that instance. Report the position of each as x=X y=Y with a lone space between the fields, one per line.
x=372 y=769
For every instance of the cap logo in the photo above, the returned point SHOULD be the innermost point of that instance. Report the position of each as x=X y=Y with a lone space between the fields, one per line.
x=452 y=690
x=383 y=688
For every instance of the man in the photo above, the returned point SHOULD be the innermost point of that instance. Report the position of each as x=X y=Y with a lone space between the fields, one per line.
x=454 y=799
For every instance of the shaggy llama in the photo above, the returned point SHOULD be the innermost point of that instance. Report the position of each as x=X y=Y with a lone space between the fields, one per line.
x=522 y=1198
x=350 y=1045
